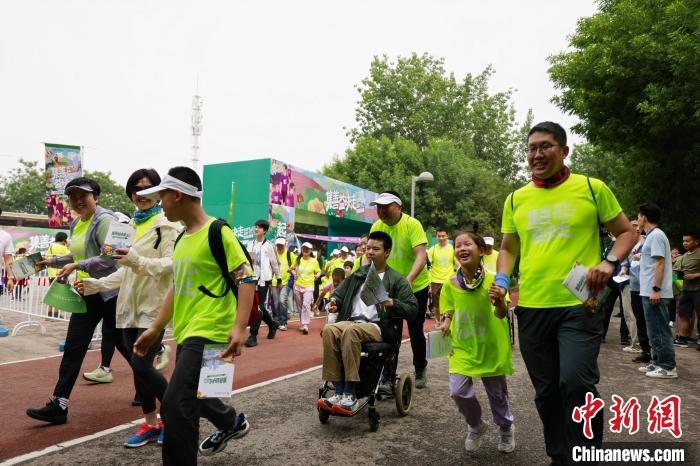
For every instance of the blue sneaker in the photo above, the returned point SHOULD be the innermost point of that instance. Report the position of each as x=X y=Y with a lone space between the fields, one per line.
x=219 y=439
x=161 y=437
x=145 y=434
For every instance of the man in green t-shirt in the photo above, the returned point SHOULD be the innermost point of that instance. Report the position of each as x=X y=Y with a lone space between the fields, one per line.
x=199 y=319
x=552 y=222
x=409 y=258
x=442 y=267
x=688 y=267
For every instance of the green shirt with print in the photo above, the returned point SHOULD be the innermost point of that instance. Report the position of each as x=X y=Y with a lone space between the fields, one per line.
x=557 y=227
x=480 y=340
x=405 y=235
x=194 y=313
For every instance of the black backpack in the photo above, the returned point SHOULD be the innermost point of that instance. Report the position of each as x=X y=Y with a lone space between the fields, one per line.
x=216 y=245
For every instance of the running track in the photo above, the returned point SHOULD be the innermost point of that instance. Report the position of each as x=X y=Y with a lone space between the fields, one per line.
x=95 y=407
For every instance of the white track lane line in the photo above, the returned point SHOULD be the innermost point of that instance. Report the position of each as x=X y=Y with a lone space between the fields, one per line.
x=136 y=422
x=58 y=355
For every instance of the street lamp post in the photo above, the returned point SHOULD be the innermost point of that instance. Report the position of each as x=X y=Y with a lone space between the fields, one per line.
x=423 y=177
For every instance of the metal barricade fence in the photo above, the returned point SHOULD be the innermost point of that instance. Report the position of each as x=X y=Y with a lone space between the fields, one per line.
x=28 y=300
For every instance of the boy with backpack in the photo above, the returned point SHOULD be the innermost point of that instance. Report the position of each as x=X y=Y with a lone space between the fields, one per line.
x=206 y=306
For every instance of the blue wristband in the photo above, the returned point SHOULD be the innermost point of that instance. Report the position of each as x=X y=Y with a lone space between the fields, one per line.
x=502 y=280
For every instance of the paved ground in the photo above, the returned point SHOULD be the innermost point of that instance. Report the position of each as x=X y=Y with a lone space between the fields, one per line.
x=285 y=426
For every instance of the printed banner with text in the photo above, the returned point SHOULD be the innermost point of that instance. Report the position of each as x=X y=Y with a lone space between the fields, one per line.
x=62 y=164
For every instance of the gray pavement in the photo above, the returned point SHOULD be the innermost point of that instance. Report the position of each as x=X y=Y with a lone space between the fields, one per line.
x=285 y=427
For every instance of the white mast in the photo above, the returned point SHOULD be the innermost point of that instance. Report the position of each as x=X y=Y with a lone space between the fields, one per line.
x=197 y=102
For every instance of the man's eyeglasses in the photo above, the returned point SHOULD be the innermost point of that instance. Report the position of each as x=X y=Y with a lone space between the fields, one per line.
x=532 y=150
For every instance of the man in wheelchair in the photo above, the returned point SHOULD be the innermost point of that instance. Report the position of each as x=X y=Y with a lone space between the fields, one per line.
x=357 y=323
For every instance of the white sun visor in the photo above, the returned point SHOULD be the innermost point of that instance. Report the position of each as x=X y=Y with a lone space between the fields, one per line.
x=169 y=182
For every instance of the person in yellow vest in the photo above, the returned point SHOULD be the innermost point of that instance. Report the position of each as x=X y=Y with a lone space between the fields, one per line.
x=490 y=255
x=442 y=260
x=360 y=252
x=283 y=293
x=58 y=248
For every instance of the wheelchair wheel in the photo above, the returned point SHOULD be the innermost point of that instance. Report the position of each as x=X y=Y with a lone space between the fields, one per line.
x=323 y=416
x=373 y=420
x=404 y=394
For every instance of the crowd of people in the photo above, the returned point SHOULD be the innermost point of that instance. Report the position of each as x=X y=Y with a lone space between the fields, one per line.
x=172 y=274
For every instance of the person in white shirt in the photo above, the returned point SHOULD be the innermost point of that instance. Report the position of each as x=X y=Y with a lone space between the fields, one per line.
x=7 y=250
x=266 y=266
x=357 y=323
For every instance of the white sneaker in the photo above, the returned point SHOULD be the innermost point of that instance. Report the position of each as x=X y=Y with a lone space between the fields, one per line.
x=283 y=328
x=349 y=402
x=661 y=373
x=162 y=358
x=304 y=329
x=506 y=442
x=333 y=400
x=647 y=368
x=474 y=436
x=99 y=375
x=632 y=349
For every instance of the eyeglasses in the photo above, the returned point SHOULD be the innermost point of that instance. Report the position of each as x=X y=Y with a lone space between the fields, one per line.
x=532 y=150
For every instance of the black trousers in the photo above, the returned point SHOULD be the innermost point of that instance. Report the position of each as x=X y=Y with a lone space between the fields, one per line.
x=80 y=330
x=415 y=332
x=560 y=348
x=149 y=383
x=415 y=329
x=638 y=311
x=264 y=313
x=181 y=409
x=608 y=308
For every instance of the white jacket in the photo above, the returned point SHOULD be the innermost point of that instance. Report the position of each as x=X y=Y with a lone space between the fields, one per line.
x=144 y=278
x=266 y=264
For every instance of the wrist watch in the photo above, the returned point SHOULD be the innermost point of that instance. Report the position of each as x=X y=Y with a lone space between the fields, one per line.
x=656 y=288
x=612 y=259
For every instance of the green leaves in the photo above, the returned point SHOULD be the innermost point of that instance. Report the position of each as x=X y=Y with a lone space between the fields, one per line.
x=416 y=99
x=632 y=78
x=414 y=116
x=24 y=190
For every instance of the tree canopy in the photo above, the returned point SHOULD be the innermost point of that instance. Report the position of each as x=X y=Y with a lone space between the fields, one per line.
x=631 y=76
x=413 y=116
x=23 y=190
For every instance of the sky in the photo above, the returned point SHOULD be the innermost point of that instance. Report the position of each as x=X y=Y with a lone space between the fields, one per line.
x=277 y=77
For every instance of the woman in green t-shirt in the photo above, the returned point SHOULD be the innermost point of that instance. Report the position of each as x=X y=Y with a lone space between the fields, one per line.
x=473 y=315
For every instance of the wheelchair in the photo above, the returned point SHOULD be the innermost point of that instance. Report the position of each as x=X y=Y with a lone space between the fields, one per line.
x=377 y=363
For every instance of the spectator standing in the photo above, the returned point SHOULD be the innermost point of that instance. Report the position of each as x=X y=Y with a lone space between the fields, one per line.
x=656 y=290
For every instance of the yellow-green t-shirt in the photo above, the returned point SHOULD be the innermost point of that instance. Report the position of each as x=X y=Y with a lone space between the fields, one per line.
x=442 y=260
x=557 y=227
x=142 y=228
x=358 y=263
x=284 y=265
x=194 y=313
x=334 y=264
x=55 y=250
x=306 y=270
x=77 y=243
x=490 y=261
x=480 y=340
x=405 y=235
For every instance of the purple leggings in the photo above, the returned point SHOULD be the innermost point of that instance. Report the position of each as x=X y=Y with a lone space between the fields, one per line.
x=462 y=392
